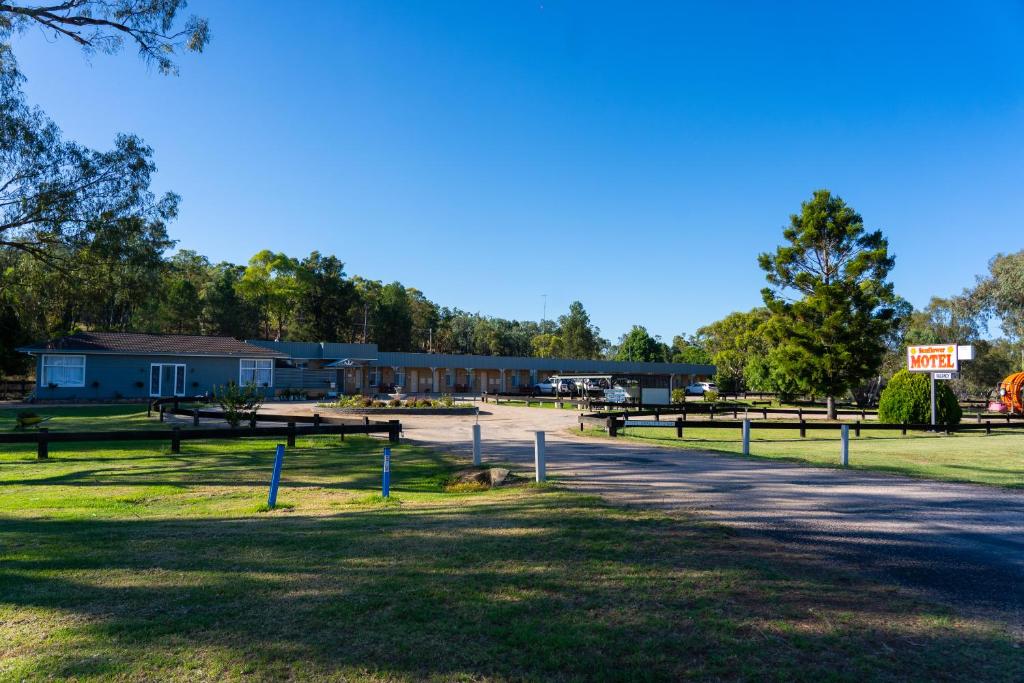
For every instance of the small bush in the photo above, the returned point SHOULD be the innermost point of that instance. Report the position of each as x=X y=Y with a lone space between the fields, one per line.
x=446 y=400
x=379 y=404
x=679 y=395
x=907 y=398
x=710 y=396
x=394 y=403
x=238 y=403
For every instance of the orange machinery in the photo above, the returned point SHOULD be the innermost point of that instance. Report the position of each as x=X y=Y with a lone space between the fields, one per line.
x=1011 y=392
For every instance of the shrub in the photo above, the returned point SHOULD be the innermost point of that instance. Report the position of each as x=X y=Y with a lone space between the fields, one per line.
x=679 y=395
x=395 y=403
x=238 y=403
x=446 y=400
x=710 y=396
x=379 y=404
x=426 y=403
x=907 y=398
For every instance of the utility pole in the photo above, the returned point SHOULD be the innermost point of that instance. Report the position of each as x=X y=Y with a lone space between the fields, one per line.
x=544 y=316
x=366 y=311
x=430 y=340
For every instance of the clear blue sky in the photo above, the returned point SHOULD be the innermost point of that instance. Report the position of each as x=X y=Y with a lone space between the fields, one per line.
x=488 y=153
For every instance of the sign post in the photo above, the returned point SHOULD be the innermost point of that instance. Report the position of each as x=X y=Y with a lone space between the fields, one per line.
x=386 y=484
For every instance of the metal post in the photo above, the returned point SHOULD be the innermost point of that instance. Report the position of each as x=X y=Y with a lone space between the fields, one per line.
x=538 y=457
x=476 y=445
x=931 y=376
x=746 y=437
x=845 y=452
x=679 y=427
x=385 y=490
x=275 y=477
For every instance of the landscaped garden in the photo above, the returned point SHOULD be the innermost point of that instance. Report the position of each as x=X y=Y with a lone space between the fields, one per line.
x=125 y=561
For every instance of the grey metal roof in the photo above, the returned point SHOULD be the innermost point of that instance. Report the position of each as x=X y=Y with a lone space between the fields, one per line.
x=317 y=350
x=438 y=360
x=133 y=343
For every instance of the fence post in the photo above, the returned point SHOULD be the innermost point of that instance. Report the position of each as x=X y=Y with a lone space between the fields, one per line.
x=275 y=477
x=316 y=422
x=195 y=417
x=613 y=427
x=845 y=451
x=476 y=445
x=684 y=412
x=856 y=428
x=746 y=437
x=175 y=439
x=341 y=431
x=161 y=412
x=538 y=457
x=712 y=412
x=366 y=420
x=43 y=447
x=393 y=427
x=764 y=413
x=176 y=406
x=149 y=410
x=291 y=435
x=803 y=428
x=252 y=420
x=735 y=411
x=657 y=415
x=988 y=426
x=800 y=414
x=679 y=427
x=904 y=430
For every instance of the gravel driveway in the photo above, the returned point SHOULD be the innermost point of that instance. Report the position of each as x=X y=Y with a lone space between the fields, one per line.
x=959 y=543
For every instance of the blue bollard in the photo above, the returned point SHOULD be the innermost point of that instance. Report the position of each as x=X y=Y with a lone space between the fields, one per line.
x=275 y=478
x=386 y=486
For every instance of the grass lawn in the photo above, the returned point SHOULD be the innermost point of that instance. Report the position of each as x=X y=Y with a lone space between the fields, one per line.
x=126 y=562
x=996 y=459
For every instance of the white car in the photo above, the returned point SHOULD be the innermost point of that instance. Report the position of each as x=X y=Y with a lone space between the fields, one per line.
x=698 y=388
x=544 y=387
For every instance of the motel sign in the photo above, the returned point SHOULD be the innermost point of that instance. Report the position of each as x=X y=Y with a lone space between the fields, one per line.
x=933 y=358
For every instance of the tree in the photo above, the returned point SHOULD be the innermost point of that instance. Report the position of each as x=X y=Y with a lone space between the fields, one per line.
x=325 y=299
x=1001 y=293
x=732 y=341
x=689 y=350
x=105 y=25
x=182 y=307
x=57 y=196
x=224 y=311
x=271 y=285
x=639 y=346
x=392 y=318
x=832 y=306
x=580 y=339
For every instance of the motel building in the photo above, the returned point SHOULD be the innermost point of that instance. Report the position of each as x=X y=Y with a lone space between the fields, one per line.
x=118 y=365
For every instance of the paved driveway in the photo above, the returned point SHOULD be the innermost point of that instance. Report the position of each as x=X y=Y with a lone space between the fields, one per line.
x=959 y=543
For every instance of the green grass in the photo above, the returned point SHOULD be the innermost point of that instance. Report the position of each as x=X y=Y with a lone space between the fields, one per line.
x=996 y=459
x=92 y=419
x=124 y=562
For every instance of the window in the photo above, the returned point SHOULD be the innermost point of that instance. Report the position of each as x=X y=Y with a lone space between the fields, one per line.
x=447 y=379
x=400 y=378
x=256 y=371
x=64 y=371
x=515 y=379
x=374 y=379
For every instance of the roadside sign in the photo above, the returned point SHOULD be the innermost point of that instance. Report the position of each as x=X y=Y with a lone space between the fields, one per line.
x=933 y=358
x=946 y=375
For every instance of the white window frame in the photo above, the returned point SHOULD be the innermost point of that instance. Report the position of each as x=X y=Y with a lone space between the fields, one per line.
x=256 y=369
x=45 y=381
x=160 y=378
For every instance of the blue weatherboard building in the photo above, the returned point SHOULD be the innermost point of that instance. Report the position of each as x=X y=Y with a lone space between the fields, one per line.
x=116 y=365
x=113 y=365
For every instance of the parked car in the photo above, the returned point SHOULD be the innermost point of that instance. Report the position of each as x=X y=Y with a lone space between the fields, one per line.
x=698 y=388
x=565 y=387
x=544 y=387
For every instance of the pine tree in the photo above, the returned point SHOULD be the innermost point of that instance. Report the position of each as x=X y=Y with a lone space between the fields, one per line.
x=831 y=305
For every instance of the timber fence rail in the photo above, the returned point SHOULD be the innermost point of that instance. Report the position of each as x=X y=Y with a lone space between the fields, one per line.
x=175 y=435
x=614 y=425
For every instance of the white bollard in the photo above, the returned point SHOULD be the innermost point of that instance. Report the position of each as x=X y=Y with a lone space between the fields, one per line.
x=476 y=445
x=746 y=437
x=538 y=456
x=845 y=453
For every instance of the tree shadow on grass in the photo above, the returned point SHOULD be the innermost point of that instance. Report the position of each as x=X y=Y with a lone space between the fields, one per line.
x=549 y=587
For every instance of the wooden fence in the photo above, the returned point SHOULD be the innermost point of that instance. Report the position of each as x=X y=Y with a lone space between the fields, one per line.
x=613 y=425
x=175 y=435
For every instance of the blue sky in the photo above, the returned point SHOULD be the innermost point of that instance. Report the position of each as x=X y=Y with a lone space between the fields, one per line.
x=488 y=153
